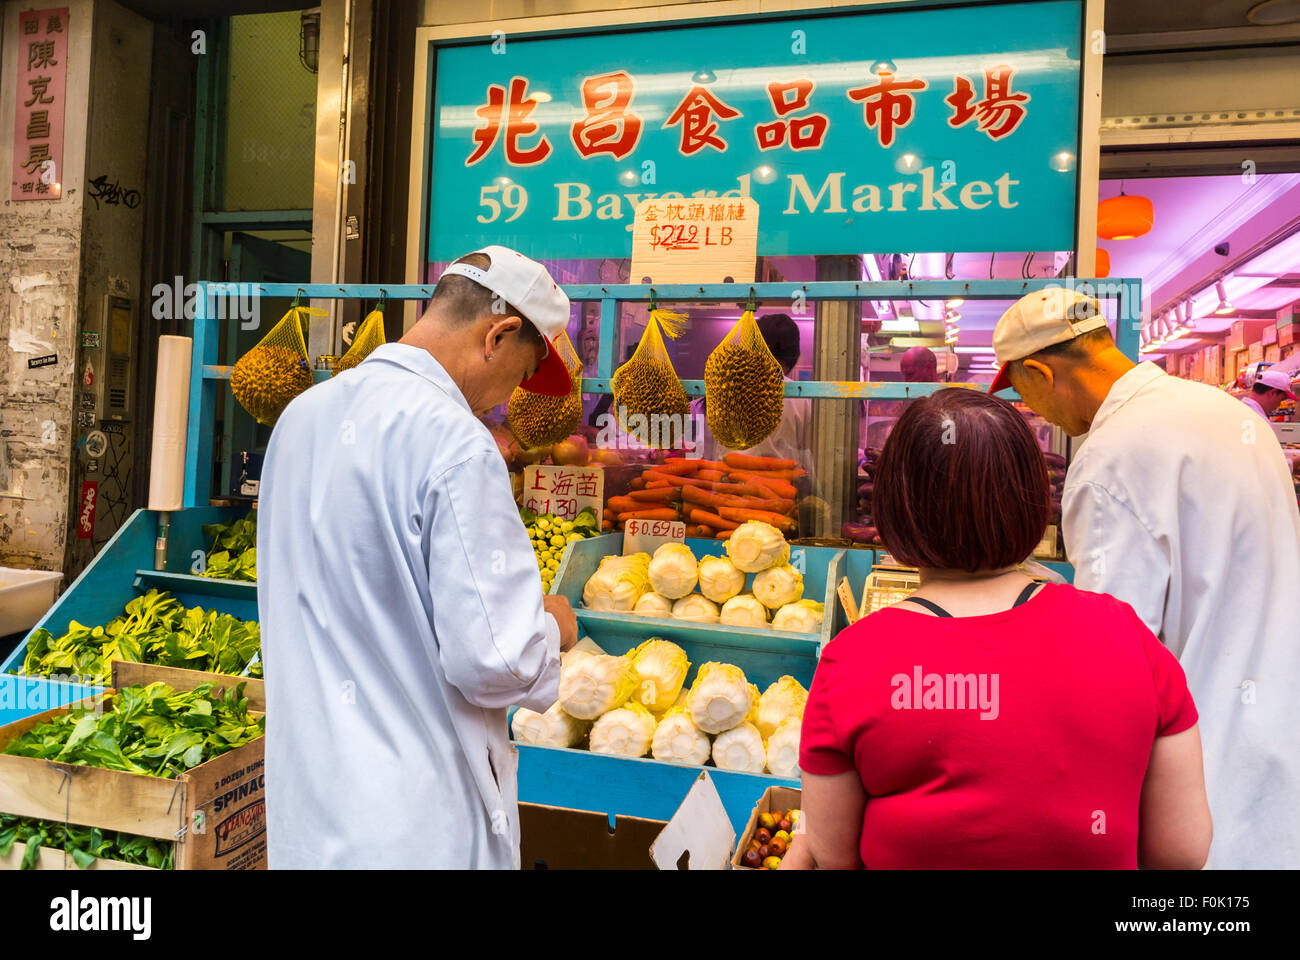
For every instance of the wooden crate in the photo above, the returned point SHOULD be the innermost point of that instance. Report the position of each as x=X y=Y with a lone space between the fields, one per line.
x=773 y=798
x=52 y=858
x=127 y=673
x=215 y=812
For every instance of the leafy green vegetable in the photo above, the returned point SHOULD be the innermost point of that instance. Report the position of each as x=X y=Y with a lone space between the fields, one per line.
x=86 y=844
x=155 y=628
x=234 y=549
x=151 y=730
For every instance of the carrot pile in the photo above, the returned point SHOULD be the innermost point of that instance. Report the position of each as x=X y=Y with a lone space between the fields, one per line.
x=713 y=497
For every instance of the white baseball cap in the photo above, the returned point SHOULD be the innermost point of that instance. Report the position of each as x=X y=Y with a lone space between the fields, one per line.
x=526 y=286
x=1276 y=379
x=1038 y=320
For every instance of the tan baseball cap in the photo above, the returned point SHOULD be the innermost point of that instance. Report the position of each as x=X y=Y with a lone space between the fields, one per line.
x=527 y=286
x=1041 y=319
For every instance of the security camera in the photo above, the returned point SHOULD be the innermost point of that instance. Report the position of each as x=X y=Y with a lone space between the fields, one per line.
x=1221 y=249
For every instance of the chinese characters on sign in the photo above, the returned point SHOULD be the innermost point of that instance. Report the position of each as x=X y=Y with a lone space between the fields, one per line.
x=611 y=127
x=563 y=491
x=695 y=241
x=38 y=114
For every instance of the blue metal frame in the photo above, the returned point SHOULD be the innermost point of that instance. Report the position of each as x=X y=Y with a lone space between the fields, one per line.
x=205 y=373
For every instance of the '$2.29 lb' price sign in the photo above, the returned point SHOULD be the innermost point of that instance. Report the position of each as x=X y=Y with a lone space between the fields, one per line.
x=647 y=536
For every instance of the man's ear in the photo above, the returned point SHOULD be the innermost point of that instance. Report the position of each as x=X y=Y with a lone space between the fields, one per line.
x=1036 y=368
x=499 y=329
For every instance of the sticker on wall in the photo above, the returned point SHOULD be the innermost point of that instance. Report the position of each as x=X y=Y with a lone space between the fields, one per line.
x=89 y=501
x=96 y=444
x=35 y=363
x=85 y=419
x=90 y=340
x=88 y=375
x=88 y=401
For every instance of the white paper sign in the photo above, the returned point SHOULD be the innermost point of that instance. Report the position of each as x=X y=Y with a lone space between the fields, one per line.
x=647 y=536
x=695 y=240
x=564 y=491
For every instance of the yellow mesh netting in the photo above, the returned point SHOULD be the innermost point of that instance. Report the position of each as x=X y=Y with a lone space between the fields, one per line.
x=649 y=399
x=539 y=421
x=275 y=371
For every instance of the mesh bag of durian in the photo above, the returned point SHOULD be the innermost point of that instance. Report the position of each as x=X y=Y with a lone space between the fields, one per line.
x=649 y=399
x=539 y=421
x=744 y=387
x=368 y=336
x=275 y=371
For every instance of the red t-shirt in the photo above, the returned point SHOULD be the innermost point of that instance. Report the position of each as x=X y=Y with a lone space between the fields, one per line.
x=1013 y=739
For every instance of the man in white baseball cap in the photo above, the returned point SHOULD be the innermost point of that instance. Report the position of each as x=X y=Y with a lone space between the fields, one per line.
x=1270 y=389
x=400 y=605
x=1179 y=502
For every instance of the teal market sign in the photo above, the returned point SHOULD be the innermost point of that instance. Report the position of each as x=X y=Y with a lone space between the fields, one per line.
x=948 y=129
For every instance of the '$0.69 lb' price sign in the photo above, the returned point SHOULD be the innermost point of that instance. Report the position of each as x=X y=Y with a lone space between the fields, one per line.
x=647 y=536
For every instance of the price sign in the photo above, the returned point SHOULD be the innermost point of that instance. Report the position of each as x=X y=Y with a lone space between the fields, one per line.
x=564 y=491
x=706 y=240
x=647 y=536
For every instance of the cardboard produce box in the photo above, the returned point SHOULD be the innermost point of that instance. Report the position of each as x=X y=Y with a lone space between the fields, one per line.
x=215 y=812
x=773 y=798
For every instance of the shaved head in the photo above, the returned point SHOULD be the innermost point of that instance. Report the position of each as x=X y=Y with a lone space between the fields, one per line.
x=919 y=365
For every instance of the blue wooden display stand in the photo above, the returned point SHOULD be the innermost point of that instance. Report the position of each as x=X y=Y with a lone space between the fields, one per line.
x=567 y=778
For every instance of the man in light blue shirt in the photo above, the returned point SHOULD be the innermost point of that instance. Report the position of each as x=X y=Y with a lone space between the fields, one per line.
x=400 y=604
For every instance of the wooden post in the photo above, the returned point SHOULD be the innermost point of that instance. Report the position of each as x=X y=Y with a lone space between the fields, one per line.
x=837 y=350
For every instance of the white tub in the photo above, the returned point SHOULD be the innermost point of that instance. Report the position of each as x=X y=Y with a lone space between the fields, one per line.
x=25 y=595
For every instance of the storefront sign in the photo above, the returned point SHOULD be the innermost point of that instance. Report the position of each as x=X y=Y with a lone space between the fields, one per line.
x=647 y=536
x=695 y=241
x=953 y=128
x=38 y=117
x=564 y=491
x=86 y=515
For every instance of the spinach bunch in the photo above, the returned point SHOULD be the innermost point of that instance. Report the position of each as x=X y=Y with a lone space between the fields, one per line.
x=155 y=628
x=85 y=844
x=151 y=730
x=234 y=549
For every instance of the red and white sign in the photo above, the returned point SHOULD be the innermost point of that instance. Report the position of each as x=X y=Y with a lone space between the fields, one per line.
x=647 y=536
x=41 y=94
x=564 y=491
x=88 y=502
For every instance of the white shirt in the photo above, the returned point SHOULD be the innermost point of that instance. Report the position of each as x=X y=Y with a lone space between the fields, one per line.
x=1251 y=402
x=401 y=615
x=1180 y=503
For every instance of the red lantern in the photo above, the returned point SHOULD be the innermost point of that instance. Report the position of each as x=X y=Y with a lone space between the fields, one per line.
x=1124 y=217
x=1102 y=268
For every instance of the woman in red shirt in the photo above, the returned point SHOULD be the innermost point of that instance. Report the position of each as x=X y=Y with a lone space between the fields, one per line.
x=989 y=721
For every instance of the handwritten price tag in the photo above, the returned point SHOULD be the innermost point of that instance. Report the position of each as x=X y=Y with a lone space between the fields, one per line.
x=695 y=240
x=647 y=536
x=563 y=491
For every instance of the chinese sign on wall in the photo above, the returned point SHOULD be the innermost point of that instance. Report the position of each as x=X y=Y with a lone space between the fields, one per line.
x=38 y=115
x=695 y=241
x=942 y=129
x=563 y=491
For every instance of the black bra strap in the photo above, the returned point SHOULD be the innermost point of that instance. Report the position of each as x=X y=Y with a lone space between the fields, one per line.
x=930 y=605
x=1026 y=593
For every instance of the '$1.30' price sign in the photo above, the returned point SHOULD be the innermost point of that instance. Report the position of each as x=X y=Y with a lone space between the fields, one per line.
x=647 y=536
